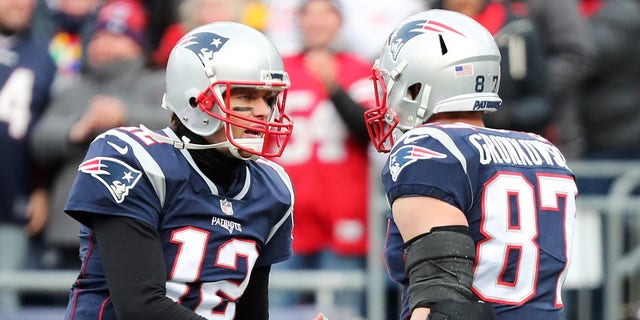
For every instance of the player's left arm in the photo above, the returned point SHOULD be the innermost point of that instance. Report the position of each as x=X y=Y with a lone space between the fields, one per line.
x=254 y=303
x=439 y=260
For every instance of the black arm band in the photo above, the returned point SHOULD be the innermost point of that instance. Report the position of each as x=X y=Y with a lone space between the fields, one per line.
x=440 y=266
x=456 y=310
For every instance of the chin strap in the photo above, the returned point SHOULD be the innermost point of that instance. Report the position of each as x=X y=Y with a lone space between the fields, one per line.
x=185 y=143
x=254 y=144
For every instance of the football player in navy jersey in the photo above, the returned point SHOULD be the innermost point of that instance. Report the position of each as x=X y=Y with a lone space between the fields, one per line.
x=482 y=220
x=185 y=222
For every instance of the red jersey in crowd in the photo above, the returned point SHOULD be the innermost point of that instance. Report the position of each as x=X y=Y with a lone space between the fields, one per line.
x=328 y=167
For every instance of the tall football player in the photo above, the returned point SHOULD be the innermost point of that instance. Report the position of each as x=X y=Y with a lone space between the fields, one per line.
x=185 y=222
x=482 y=219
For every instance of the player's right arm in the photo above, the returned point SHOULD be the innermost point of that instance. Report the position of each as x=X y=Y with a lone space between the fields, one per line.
x=439 y=260
x=133 y=263
x=417 y=215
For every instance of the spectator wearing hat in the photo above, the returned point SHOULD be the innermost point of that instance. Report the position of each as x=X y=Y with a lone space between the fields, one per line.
x=65 y=27
x=116 y=90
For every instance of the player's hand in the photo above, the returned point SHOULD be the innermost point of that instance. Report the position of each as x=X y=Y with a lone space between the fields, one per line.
x=420 y=314
x=320 y=316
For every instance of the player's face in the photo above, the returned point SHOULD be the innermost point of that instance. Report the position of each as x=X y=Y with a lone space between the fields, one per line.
x=249 y=102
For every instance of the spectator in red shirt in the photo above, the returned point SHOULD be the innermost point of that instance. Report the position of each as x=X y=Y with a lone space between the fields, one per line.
x=327 y=156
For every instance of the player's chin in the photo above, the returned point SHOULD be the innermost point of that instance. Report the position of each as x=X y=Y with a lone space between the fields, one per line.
x=246 y=154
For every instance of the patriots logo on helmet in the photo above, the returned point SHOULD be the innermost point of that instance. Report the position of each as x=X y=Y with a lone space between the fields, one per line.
x=411 y=29
x=203 y=44
x=407 y=155
x=114 y=174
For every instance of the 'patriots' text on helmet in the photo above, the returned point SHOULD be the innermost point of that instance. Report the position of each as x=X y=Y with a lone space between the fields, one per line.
x=434 y=61
x=206 y=64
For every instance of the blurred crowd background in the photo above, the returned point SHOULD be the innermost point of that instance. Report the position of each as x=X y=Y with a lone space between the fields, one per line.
x=571 y=73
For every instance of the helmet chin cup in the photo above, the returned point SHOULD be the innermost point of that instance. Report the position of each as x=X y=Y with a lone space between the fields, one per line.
x=235 y=152
x=252 y=146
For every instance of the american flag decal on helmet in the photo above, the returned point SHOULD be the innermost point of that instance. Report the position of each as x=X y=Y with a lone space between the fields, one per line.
x=407 y=155
x=114 y=174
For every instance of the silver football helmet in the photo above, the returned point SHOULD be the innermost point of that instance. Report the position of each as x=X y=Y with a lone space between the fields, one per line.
x=434 y=61
x=202 y=69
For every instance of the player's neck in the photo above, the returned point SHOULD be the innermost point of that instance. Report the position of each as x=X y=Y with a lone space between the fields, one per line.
x=473 y=118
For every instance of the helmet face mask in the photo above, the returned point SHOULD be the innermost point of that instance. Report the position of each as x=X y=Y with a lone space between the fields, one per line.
x=274 y=132
x=435 y=61
x=203 y=69
x=381 y=121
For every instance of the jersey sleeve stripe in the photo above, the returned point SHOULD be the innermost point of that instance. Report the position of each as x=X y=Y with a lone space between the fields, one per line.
x=448 y=143
x=285 y=179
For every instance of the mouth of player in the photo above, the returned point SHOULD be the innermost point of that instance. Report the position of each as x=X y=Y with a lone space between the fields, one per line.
x=252 y=134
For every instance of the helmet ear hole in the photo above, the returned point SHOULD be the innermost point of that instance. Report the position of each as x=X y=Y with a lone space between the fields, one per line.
x=413 y=90
x=443 y=46
x=192 y=102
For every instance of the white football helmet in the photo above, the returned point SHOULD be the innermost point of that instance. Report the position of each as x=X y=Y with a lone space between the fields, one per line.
x=434 y=61
x=202 y=69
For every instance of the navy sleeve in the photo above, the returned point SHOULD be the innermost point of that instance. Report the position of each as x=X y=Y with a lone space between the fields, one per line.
x=427 y=162
x=279 y=246
x=111 y=181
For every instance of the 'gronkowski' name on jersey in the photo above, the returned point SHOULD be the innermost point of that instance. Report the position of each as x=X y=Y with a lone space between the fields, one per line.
x=508 y=150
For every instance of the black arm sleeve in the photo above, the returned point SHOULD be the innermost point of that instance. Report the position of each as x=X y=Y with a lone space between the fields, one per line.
x=352 y=113
x=132 y=259
x=254 y=303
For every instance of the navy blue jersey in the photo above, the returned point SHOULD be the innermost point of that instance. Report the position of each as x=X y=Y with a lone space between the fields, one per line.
x=211 y=242
x=518 y=196
x=26 y=74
